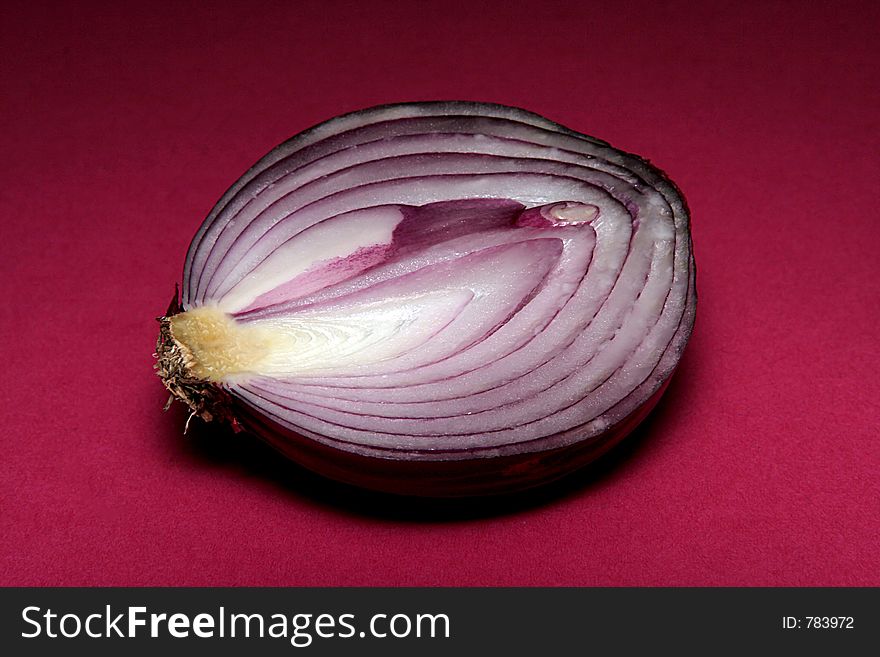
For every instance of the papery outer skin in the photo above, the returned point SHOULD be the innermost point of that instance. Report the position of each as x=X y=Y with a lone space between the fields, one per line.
x=448 y=477
x=313 y=418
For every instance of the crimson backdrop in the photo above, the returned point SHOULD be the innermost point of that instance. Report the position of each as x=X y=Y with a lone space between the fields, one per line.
x=123 y=123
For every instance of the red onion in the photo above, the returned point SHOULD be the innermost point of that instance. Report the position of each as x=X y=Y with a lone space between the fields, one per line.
x=441 y=298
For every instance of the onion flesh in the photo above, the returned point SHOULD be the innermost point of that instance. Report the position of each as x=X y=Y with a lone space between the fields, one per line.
x=436 y=299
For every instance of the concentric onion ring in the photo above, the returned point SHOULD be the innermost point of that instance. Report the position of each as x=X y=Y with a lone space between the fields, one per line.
x=436 y=298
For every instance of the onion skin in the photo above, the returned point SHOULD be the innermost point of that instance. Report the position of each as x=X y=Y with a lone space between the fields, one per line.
x=436 y=299
x=454 y=477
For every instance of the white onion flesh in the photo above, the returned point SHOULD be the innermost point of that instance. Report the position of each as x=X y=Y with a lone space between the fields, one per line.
x=446 y=282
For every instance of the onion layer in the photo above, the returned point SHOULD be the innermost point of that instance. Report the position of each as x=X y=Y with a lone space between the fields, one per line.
x=436 y=299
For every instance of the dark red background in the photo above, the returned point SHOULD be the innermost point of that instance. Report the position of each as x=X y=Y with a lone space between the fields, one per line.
x=122 y=125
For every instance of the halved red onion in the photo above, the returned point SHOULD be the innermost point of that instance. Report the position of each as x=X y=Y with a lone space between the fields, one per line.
x=442 y=298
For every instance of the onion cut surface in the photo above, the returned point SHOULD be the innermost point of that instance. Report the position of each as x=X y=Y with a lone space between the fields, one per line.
x=443 y=298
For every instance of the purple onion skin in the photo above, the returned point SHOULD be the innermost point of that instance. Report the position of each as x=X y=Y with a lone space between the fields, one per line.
x=462 y=466
x=499 y=475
